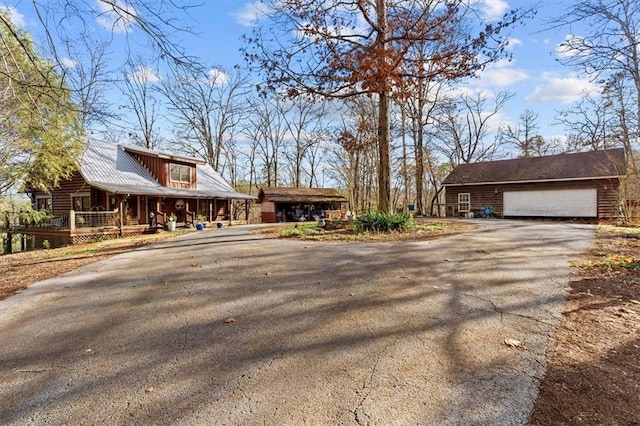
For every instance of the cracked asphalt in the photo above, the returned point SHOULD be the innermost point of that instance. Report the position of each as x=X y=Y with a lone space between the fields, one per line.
x=399 y=333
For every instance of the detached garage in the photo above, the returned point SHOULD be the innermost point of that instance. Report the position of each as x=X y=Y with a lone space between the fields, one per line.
x=577 y=185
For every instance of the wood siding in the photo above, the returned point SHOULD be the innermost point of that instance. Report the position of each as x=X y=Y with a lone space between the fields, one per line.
x=61 y=196
x=154 y=165
x=220 y=209
x=159 y=169
x=492 y=195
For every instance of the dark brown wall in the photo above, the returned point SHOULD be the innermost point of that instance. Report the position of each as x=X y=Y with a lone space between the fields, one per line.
x=155 y=166
x=220 y=209
x=491 y=195
x=159 y=168
x=268 y=217
x=61 y=196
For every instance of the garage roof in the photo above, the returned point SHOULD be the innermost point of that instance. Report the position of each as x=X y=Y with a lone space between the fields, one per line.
x=300 y=195
x=562 y=167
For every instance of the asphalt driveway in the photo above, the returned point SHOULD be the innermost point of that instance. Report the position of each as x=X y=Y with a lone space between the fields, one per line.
x=324 y=333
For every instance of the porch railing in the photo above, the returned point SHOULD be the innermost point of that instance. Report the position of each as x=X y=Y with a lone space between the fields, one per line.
x=99 y=219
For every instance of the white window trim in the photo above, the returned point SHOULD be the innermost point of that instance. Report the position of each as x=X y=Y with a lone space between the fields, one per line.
x=467 y=202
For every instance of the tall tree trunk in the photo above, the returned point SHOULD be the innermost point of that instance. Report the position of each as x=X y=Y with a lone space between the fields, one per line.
x=419 y=152
x=384 y=170
x=405 y=171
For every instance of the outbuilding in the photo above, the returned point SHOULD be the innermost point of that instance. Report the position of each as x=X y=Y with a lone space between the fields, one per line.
x=571 y=185
x=298 y=204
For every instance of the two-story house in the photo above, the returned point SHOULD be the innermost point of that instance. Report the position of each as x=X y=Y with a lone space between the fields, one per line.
x=124 y=186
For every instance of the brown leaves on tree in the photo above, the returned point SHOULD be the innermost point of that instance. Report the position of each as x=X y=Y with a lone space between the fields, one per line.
x=342 y=48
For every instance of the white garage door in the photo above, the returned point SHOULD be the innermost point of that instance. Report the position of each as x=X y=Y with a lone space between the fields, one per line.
x=552 y=203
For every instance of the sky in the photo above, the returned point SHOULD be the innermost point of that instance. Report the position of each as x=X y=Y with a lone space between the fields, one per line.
x=538 y=82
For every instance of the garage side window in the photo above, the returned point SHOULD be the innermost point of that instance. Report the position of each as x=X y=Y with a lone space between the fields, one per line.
x=464 y=202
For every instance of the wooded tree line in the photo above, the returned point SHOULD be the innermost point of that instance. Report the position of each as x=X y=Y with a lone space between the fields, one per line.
x=359 y=95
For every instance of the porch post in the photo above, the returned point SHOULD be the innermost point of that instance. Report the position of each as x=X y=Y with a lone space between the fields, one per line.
x=121 y=211
x=230 y=211
x=72 y=220
x=246 y=211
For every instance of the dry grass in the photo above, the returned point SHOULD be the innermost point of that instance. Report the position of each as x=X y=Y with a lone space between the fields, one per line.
x=594 y=375
x=19 y=270
x=425 y=229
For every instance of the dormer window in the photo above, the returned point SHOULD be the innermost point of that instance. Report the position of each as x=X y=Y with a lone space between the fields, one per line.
x=180 y=173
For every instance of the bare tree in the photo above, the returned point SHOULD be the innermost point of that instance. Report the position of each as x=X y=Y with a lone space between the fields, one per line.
x=306 y=126
x=343 y=49
x=609 y=52
x=354 y=160
x=208 y=106
x=589 y=124
x=82 y=55
x=138 y=81
x=420 y=105
x=524 y=136
x=462 y=127
x=90 y=78
x=267 y=128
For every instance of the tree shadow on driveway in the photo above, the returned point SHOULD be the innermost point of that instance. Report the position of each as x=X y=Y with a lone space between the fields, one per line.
x=406 y=333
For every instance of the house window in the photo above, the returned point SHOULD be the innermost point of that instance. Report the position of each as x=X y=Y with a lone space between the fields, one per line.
x=43 y=203
x=464 y=202
x=81 y=202
x=180 y=173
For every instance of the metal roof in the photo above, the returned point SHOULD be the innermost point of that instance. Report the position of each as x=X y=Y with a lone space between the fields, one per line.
x=301 y=195
x=110 y=167
x=603 y=164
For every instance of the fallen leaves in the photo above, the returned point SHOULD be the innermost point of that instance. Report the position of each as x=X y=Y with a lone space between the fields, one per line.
x=229 y=320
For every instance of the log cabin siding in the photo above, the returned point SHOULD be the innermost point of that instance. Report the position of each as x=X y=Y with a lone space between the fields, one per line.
x=492 y=195
x=61 y=196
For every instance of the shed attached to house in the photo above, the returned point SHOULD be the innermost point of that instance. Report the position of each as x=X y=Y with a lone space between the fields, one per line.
x=576 y=185
x=293 y=204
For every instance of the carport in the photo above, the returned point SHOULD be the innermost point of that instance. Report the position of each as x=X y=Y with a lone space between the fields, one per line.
x=293 y=204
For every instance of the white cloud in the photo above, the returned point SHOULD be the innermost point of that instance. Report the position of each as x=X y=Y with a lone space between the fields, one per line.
x=493 y=9
x=513 y=42
x=144 y=75
x=250 y=14
x=68 y=63
x=115 y=15
x=501 y=74
x=564 y=49
x=16 y=17
x=561 y=89
x=217 y=77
